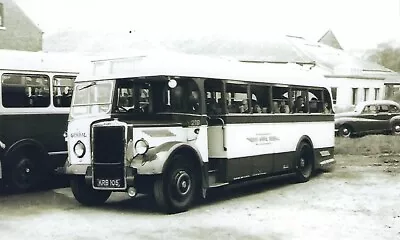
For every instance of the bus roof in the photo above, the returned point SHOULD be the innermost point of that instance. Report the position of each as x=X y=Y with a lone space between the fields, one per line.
x=40 y=61
x=178 y=64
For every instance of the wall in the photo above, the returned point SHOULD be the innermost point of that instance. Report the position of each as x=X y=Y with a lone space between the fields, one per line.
x=345 y=91
x=19 y=32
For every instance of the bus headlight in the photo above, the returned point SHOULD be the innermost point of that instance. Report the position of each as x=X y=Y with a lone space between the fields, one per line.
x=79 y=149
x=141 y=146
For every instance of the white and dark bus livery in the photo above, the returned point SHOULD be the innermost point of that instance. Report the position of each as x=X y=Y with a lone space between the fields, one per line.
x=173 y=126
x=36 y=92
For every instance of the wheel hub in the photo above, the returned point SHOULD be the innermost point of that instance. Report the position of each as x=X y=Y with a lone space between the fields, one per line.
x=183 y=183
x=302 y=162
x=397 y=128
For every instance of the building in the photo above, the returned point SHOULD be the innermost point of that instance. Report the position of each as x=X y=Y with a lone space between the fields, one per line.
x=330 y=39
x=352 y=79
x=17 y=31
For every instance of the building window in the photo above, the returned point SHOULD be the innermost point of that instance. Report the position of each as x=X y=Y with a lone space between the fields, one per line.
x=377 y=93
x=366 y=93
x=355 y=96
x=1 y=15
x=334 y=94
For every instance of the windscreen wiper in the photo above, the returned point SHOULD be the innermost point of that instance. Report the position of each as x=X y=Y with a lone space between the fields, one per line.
x=87 y=86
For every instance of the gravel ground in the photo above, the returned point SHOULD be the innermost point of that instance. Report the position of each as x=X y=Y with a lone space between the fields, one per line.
x=359 y=199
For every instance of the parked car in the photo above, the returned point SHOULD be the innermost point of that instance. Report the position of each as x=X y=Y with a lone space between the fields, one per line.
x=379 y=116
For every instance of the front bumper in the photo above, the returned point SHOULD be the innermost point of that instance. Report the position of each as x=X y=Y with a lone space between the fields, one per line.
x=87 y=171
x=130 y=174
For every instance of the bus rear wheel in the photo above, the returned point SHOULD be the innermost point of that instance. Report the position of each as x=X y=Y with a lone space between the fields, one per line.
x=85 y=194
x=175 y=190
x=304 y=164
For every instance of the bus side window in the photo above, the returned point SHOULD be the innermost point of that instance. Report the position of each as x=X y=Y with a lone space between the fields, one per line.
x=238 y=99
x=213 y=93
x=260 y=99
x=62 y=90
x=23 y=90
x=327 y=103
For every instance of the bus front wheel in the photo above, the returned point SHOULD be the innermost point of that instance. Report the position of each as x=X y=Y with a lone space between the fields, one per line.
x=85 y=194
x=304 y=162
x=175 y=190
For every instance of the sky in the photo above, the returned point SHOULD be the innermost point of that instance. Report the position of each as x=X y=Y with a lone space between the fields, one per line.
x=358 y=24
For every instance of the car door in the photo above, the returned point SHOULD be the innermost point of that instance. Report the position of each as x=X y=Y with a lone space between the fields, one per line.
x=384 y=116
x=369 y=119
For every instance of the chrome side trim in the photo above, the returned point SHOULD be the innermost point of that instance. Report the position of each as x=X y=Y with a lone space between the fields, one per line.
x=328 y=161
x=58 y=153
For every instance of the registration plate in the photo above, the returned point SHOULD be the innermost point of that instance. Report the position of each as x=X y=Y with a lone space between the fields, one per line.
x=109 y=183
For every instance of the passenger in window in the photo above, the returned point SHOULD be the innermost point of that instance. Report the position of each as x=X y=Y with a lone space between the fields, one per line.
x=313 y=105
x=257 y=109
x=283 y=107
x=299 y=106
x=244 y=107
x=327 y=109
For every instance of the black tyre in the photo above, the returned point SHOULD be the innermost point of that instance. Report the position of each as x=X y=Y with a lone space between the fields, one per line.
x=396 y=128
x=24 y=170
x=345 y=131
x=304 y=162
x=85 y=194
x=175 y=190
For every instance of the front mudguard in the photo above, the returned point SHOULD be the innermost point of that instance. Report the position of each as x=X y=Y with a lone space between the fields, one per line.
x=157 y=158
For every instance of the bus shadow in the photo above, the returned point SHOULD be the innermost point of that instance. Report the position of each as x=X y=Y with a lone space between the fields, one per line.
x=146 y=204
x=54 y=181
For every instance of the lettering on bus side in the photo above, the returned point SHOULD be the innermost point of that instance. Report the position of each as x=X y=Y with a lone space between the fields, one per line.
x=78 y=134
x=263 y=138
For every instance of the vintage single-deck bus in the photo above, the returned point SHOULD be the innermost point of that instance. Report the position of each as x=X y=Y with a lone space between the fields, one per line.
x=173 y=126
x=36 y=92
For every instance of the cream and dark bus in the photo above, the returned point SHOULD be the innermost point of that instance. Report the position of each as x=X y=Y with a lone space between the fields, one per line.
x=174 y=126
x=36 y=92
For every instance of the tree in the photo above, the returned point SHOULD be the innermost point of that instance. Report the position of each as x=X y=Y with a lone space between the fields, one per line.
x=386 y=54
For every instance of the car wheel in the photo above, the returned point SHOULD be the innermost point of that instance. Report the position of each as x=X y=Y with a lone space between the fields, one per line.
x=396 y=128
x=345 y=131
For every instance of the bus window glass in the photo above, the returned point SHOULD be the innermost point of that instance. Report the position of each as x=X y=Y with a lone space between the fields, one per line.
x=25 y=90
x=327 y=105
x=133 y=97
x=260 y=99
x=214 y=101
x=316 y=102
x=280 y=100
x=92 y=97
x=153 y=95
x=237 y=99
x=300 y=100
x=62 y=90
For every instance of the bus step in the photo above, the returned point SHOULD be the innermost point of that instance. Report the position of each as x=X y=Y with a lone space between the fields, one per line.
x=218 y=184
x=212 y=179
